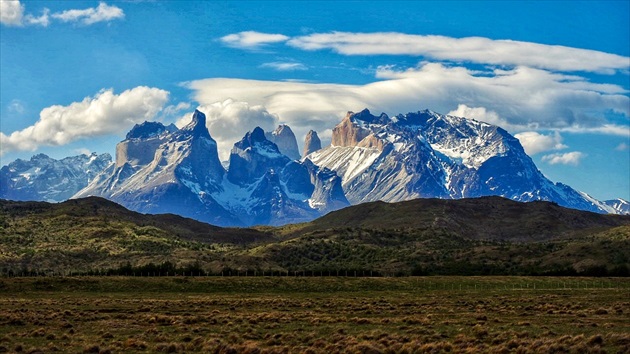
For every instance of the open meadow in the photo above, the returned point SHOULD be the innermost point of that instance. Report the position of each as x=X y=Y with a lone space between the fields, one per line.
x=315 y=314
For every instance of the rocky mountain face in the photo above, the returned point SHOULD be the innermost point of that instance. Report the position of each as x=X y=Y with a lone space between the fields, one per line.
x=168 y=170
x=429 y=155
x=47 y=179
x=141 y=142
x=311 y=143
x=275 y=189
x=284 y=138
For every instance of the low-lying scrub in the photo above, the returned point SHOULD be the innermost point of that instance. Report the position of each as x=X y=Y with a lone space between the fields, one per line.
x=311 y=315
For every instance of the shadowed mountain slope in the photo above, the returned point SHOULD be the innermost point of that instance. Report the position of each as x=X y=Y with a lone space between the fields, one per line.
x=492 y=218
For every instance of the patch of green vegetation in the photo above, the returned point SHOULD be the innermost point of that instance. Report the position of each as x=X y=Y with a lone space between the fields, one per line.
x=485 y=236
x=440 y=252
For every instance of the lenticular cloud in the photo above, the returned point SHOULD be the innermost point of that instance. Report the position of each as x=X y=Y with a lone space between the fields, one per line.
x=472 y=49
x=519 y=99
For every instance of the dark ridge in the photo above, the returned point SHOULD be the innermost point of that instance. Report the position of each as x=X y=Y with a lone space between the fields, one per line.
x=145 y=130
x=492 y=218
x=80 y=209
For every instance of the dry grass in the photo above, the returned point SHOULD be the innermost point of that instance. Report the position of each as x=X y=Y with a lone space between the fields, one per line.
x=391 y=318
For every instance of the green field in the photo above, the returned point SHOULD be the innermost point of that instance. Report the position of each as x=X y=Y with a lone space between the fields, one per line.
x=315 y=314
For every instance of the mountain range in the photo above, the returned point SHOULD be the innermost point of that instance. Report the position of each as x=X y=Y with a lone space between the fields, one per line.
x=159 y=169
x=163 y=169
x=426 y=154
x=47 y=179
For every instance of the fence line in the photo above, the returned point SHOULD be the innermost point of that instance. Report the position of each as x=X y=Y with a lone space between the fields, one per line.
x=439 y=282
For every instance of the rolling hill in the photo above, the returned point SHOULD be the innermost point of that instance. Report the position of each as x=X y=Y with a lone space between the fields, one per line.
x=489 y=235
x=485 y=218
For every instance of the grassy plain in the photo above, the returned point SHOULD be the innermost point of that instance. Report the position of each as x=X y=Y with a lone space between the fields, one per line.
x=315 y=314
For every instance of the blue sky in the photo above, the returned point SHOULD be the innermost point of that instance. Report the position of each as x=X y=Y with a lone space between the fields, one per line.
x=76 y=75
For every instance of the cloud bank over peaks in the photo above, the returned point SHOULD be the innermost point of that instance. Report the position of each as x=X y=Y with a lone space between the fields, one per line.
x=521 y=99
x=229 y=120
x=105 y=113
x=521 y=86
x=12 y=14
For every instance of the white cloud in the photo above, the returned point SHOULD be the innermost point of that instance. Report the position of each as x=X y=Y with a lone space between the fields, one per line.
x=608 y=129
x=229 y=120
x=468 y=49
x=252 y=39
x=524 y=98
x=43 y=20
x=83 y=151
x=174 y=109
x=570 y=158
x=622 y=147
x=280 y=66
x=535 y=143
x=530 y=79
x=483 y=115
x=16 y=106
x=11 y=12
x=91 y=15
x=103 y=114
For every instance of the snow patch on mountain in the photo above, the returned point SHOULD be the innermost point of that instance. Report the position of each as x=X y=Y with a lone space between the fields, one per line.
x=348 y=162
x=620 y=206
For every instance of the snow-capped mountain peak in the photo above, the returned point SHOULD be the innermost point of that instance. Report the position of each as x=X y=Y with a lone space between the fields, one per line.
x=427 y=154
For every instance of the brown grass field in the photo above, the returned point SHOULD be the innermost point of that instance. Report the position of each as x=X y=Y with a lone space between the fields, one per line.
x=315 y=315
